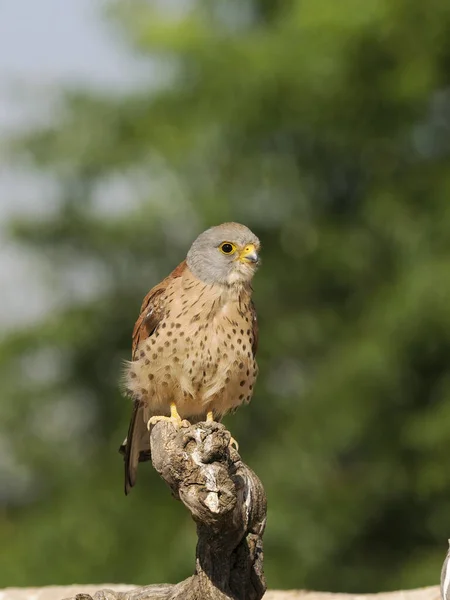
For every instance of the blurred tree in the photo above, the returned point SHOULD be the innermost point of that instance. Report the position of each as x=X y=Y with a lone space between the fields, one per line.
x=324 y=127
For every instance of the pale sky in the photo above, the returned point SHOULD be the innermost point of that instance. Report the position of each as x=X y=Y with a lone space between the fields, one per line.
x=54 y=40
x=45 y=43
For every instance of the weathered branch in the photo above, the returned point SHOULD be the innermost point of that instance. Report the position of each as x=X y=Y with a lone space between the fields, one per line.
x=228 y=504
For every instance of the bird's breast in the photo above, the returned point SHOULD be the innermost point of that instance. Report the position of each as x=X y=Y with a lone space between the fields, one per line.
x=200 y=356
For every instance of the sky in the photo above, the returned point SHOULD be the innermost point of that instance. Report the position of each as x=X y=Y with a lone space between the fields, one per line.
x=54 y=40
x=44 y=44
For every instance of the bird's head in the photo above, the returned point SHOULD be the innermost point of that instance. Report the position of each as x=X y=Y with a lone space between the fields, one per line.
x=227 y=254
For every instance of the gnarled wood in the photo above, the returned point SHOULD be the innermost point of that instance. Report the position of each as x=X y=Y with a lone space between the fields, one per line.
x=228 y=504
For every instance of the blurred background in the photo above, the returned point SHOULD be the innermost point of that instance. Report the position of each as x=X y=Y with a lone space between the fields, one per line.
x=128 y=127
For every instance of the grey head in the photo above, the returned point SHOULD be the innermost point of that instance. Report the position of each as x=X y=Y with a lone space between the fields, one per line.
x=226 y=254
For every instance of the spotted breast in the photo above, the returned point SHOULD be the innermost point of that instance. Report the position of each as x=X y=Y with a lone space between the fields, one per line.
x=201 y=352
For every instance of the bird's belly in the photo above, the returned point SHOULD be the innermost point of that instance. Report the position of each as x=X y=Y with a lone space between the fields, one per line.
x=218 y=375
x=201 y=368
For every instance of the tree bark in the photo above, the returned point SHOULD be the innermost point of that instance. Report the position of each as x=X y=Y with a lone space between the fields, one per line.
x=227 y=502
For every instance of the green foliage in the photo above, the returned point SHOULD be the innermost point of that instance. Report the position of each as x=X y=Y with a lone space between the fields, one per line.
x=324 y=127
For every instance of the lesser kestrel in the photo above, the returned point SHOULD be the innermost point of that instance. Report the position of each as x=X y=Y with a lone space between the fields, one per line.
x=194 y=343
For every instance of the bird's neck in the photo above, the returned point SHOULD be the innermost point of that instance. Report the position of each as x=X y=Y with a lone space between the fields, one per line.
x=215 y=298
x=240 y=291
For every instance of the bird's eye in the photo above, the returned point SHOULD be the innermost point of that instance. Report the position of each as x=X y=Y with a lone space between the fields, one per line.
x=227 y=248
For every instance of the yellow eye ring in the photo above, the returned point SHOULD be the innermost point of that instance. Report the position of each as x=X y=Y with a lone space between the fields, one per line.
x=227 y=248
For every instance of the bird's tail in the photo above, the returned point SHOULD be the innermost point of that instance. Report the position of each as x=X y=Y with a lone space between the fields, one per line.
x=136 y=446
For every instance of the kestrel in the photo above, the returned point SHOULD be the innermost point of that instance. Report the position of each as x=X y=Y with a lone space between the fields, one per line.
x=194 y=343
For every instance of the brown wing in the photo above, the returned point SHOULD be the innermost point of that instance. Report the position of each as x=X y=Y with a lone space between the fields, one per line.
x=136 y=446
x=152 y=310
x=151 y=314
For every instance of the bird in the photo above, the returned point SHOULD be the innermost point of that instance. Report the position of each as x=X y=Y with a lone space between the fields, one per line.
x=195 y=340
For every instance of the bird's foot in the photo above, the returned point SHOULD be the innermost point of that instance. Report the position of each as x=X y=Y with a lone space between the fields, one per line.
x=174 y=418
x=210 y=419
x=177 y=422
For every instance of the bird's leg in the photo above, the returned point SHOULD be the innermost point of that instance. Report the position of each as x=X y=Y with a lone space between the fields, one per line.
x=174 y=418
x=174 y=413
x=210 y=419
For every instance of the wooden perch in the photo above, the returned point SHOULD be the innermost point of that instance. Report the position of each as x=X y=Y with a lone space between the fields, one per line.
x=228 y=504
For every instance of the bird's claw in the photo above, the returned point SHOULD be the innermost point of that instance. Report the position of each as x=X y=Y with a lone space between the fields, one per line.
x=177 y=421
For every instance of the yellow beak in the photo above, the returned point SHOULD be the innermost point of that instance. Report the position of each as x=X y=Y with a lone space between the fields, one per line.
x=249 y=254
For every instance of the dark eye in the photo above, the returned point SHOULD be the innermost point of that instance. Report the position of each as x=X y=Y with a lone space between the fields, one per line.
x=227 y=248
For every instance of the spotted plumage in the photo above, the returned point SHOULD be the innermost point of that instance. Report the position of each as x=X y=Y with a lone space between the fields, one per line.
x=195 y=340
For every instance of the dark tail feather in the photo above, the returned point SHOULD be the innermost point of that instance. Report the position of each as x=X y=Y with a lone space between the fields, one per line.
x=135 y=448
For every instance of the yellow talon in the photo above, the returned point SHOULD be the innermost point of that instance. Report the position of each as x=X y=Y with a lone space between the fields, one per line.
x=209 y=416
x=174 y=418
